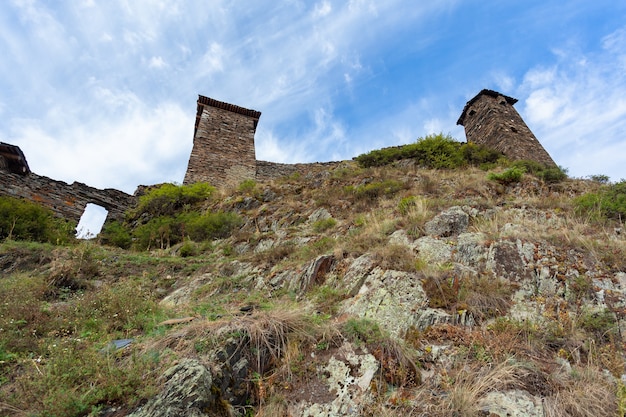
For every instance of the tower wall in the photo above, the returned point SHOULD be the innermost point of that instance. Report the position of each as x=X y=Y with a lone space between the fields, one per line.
x=223 y=144
x=491 y=120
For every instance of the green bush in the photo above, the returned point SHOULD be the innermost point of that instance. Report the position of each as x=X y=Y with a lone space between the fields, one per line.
x=601 y=178
x=168 y=199
x=433 y=151
x=164 y=231
x=247 y=187
x=507 y=177
x=188 y=249
x=549 y=174
x=210 y=225
x=25 y=220
x=376 y=189
x=601 y=324
x=115 y=234
x=609 y=202
x=324 y=224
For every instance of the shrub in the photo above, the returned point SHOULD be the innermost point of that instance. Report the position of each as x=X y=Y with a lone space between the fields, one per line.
x=600 y=178
x=115 y=234
x=324 y=224
x=478 y=155
x=507 y=177
x=164 y=231
x=168 y=199
x=24 y=220
x=601 y=324
x=188 y=249
x=210 y=225
x=433 y=151
x=609 y=202
x=373 y=190
x=247 y=187
x=549 y=174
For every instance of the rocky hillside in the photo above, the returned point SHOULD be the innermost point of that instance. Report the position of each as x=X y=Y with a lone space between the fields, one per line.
x=342 y=291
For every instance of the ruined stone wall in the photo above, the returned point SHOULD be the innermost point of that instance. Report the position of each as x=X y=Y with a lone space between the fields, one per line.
x=65 y=200
x=223 y=146
x=491 y=120
x=272 y=170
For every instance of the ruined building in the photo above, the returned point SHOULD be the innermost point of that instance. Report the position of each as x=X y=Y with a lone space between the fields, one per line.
x=224 y=155
x=223 y=144
x=490 y=120
x=65 y=200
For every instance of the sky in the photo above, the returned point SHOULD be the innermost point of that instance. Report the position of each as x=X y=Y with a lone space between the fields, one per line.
x=104 y=92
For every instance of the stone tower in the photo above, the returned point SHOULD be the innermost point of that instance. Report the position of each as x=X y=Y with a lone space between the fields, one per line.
x=490 y=120
x=223 y=144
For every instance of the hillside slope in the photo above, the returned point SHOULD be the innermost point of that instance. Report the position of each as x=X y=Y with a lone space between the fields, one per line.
x=386 y=291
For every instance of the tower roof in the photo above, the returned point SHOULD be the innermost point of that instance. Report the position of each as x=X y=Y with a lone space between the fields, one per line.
x=485 y=92
x=207 y=101
x=15 y=159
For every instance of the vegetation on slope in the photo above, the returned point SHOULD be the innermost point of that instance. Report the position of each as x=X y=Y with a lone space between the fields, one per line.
x=61 y=305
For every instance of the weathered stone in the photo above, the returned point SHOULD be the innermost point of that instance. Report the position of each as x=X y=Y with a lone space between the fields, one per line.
x=450 y=222
x=348 y=376
x=182 y=295
x=319 y=214
x=65 y=200
x=506 y=261
x=188 y=392
x=314 y=274
x=391 y=298
x=471 y=249
x=357 y=273
x=514 y=403
x=399 y=237
x=433 y=250
x=428 y=317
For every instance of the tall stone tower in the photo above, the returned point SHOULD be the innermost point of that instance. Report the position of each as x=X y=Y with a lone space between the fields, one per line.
x=223 y=144
x=490 y=120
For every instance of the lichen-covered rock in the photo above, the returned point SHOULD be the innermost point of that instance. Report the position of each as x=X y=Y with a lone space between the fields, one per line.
x=348 y=376
x=319 y=214
x=433 y=250
x=188 y=392
x=391 y=298
x=399 y=237
x=514 y=403
x=471 y=250
x=450 y=222
x=313 y=274
x=356 y=274
x=182 y=295
x=505 y=260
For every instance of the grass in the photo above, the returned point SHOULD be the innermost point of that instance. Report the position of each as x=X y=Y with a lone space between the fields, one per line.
x=60 y=305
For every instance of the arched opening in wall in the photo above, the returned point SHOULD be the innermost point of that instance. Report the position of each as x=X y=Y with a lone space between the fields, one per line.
x=91 y=221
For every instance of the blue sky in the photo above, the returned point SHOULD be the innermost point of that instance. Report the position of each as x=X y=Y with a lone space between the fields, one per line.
x=104 y=91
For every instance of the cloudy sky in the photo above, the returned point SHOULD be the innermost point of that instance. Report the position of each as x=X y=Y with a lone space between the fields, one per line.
x=104 y=91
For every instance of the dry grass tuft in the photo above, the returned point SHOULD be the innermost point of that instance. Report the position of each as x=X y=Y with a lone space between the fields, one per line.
x=584 y=392
x=470 y=385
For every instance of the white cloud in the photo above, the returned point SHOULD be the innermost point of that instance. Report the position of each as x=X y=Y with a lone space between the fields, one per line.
x=322 y=9
x=156 y=62
x=577 y=108
x=144 y=145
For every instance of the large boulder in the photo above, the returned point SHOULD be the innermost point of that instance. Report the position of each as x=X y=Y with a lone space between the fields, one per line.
x=188 y=392
x=450 y=222
x=391 y=298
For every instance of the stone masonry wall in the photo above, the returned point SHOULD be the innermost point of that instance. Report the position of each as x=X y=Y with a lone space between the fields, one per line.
x=223 y=146
x=65 y=200
x=267 y=171
x=491 y=120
